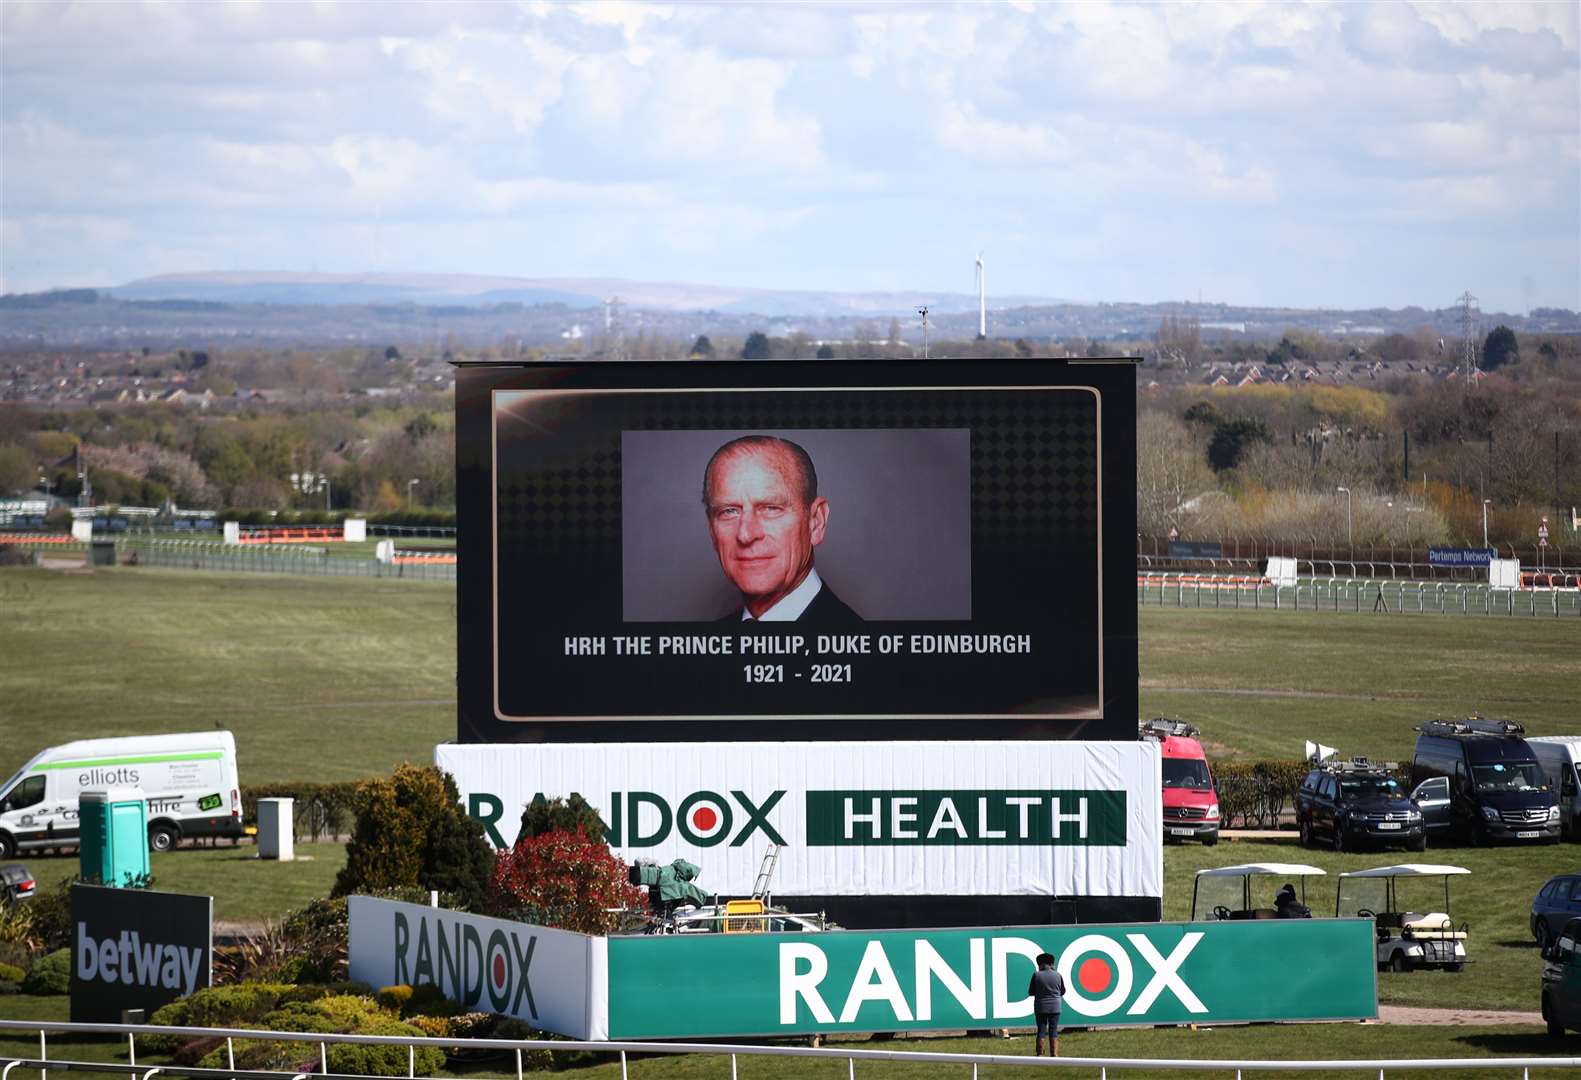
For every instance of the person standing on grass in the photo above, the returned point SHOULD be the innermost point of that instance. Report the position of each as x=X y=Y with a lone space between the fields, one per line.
x=1047 y=991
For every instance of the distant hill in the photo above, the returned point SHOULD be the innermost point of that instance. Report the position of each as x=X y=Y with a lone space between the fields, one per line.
x=476 y=290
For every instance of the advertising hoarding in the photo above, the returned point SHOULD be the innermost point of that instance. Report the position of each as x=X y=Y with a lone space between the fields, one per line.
x=1171 y=973
x=729 y=985
x=971 y=559
x=553 y=979
x=136 y=949
x=1447 y=556
x=855 y=819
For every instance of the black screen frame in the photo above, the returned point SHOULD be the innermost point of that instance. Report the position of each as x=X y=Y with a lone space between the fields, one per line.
x=1113 y=384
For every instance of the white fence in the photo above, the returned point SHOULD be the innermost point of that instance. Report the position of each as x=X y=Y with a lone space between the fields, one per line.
x=43 y=1062
x=1381 y=596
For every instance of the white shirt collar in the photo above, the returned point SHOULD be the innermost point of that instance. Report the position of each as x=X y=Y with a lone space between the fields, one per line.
x=792 y=604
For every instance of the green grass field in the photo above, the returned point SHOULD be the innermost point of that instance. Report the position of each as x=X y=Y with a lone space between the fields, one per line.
x=319 y=678
x=245 y=888
x=1258 y=683
x=331 y=678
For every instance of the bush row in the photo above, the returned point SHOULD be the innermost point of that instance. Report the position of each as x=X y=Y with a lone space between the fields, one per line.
x=342 y=1008
x=319 y=810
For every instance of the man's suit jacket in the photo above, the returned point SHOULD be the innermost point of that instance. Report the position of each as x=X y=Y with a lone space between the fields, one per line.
x=827 y=611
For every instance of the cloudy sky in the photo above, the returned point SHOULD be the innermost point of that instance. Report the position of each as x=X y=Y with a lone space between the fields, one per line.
x=1308 y=155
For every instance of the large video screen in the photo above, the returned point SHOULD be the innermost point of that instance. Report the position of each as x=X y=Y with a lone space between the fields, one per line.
x=796 y=550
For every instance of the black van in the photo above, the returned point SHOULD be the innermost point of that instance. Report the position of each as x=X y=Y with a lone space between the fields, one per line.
x=1478 y=780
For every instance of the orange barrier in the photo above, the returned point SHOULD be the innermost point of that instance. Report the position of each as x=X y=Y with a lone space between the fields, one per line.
x=436 y=558
x=285 y=535
x=1211 y=581
x=1537 y=579
x=34 y=538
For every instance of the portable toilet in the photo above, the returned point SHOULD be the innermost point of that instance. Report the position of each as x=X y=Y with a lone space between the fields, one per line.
x=114 y=835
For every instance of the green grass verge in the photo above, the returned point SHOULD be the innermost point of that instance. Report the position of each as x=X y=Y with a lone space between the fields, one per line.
x=1258 y=683
x=244 y=887
x=1261 y=1042
x=319 y=678
x=1496 y=900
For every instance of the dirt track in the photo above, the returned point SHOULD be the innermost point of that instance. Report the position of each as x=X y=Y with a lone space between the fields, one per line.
x=1403 y=1014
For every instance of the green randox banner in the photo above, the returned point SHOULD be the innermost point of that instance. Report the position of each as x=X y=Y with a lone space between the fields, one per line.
x=708 y=985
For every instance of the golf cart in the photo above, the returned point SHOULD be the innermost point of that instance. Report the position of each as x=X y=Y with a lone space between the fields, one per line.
x=1225 y=892
x=1407 y=939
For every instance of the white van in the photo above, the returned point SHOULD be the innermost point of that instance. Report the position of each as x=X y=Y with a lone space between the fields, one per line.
x=1559 y=756
x=189 y=781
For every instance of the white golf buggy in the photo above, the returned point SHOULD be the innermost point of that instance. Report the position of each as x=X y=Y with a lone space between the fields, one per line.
x=1226 y=892
x=1407 y=940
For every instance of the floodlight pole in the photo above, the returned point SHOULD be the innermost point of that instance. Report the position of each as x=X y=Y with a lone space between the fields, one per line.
x=923 y=311
x=1485 y=521
x=1350 y=535
x=410 y=484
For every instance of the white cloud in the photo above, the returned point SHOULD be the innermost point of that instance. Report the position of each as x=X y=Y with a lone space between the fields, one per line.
x=808 y=141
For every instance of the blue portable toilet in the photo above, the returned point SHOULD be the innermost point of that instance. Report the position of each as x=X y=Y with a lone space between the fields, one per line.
x=114 y=835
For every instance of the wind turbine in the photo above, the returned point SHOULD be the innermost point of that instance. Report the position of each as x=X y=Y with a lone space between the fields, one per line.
x=982 y=298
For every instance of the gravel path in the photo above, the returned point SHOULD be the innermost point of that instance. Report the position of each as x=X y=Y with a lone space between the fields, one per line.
x=1404 y=1014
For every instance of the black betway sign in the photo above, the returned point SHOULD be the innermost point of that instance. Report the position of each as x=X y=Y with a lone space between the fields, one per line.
x=136 y=949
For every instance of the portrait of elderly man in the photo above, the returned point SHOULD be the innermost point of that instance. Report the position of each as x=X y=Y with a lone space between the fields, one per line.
x=765 y=519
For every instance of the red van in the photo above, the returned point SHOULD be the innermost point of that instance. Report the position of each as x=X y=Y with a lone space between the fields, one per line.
x=1191 y=799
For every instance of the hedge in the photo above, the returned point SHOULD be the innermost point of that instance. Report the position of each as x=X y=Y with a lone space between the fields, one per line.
x=319 y=810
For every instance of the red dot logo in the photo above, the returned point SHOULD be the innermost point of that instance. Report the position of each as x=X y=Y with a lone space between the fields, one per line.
x=704 y=818
x=1094 y=975
x=499 y=969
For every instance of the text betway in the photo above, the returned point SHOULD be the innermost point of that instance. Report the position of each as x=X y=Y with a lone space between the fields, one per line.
x=131 y=961
x=986 y=990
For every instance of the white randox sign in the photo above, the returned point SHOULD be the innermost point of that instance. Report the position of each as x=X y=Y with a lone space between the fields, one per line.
x=555 y=980
x=854 y=819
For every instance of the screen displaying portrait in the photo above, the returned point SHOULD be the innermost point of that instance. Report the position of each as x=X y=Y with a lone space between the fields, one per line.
x=770 y=551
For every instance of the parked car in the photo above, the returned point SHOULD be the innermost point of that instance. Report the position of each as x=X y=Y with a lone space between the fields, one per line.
x=1561 y=987
x=1478 y=781
x=1191 y=798
x=16 y=883
x=1556 y=903
x=1560 y=757
x=1356 y=803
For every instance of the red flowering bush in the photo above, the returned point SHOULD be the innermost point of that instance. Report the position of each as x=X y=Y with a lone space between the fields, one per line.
x=562 y=879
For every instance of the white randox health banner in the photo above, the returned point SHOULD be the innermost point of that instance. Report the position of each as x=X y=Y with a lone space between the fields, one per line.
x=856 y=819
x=556 y=980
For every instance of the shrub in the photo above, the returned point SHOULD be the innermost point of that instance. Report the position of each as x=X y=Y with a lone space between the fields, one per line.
x=412 y=831
x=11 y=973
x=50 y=974
x=7 y=986
x=561 y=815
x=562 y=879
x=228 y=1006
x=395 y=998
x=385 y=1060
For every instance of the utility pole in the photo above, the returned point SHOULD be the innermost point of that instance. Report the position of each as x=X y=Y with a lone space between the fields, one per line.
x=923 y=311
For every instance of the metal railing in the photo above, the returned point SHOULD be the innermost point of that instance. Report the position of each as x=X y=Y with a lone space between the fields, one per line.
x=214 y=555
x=623 y=1048
x=1362 y=595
